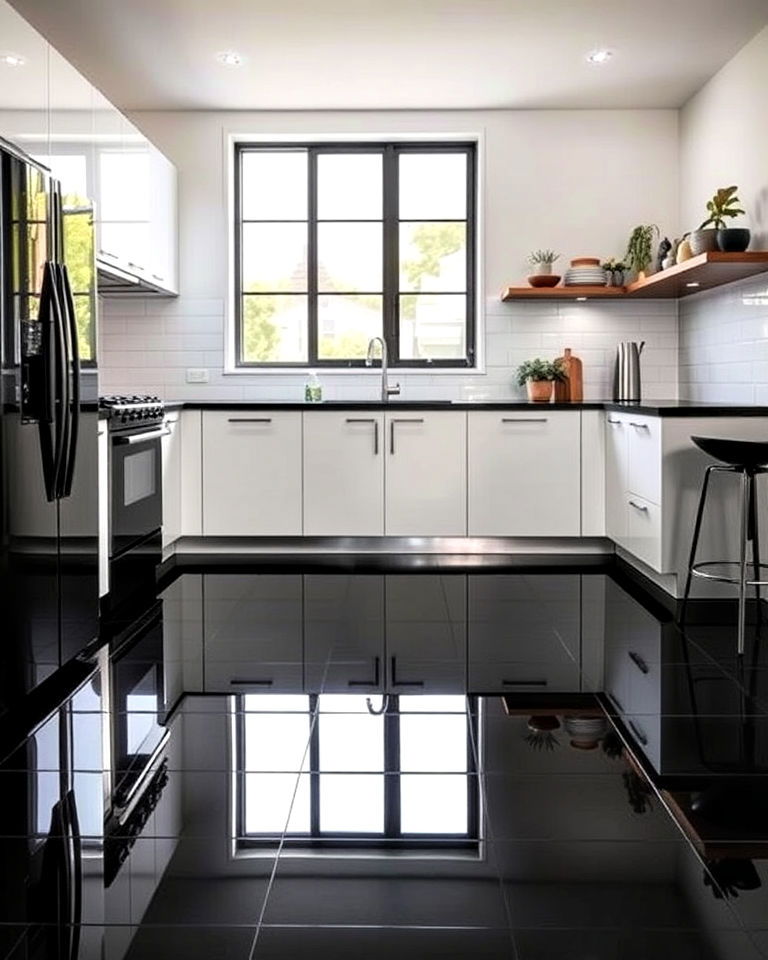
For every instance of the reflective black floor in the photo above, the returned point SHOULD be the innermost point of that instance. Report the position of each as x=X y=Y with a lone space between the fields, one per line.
x=428 y=765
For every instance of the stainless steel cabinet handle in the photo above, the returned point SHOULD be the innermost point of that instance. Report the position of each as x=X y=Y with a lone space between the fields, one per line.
x=251 y=683
x=156 y=276
x=249 y=419
x=375 y=423
x=638 y=506
x=144 y=437
x=106 y=253
x=638 y=733
x=638 y=661
x=369 y=683
x=525 y=419
x=615 y=423
x=616 y=700
x=639 y=426
x=524 y=683
x=392 y=428
x=402 y=683
x=136 y=266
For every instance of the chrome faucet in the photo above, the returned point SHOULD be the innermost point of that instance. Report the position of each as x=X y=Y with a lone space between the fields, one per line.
x=386 y=390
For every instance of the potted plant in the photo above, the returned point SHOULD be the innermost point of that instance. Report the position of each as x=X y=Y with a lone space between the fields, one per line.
x=541 y=261
x=640 y=248
x=615 y=270
x=538 y=376
x=713 y=233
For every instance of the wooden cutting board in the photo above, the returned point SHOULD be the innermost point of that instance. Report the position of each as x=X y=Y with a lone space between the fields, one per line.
x=573 y=387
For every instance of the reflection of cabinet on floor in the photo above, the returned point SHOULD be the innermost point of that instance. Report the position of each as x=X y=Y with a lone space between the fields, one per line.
x=524 y=633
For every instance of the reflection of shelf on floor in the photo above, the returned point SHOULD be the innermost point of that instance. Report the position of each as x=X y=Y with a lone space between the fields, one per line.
x=704 y=272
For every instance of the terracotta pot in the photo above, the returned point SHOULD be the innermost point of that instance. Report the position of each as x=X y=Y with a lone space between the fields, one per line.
x=544 y=280
x=703 y=241
x=539 y=391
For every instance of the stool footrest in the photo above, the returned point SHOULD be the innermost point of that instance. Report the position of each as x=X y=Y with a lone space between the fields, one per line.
x=701 y=570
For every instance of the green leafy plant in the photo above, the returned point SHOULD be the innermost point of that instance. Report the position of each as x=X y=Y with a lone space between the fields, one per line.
x=539 y=369
x=721 y=207
x=613 y=264
x=640 y=246
x=542 y=256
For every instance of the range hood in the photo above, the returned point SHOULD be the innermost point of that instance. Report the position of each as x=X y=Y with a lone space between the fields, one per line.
x=114 y=281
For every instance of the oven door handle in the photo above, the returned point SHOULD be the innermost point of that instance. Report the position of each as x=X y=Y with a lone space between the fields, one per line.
x=144 y=437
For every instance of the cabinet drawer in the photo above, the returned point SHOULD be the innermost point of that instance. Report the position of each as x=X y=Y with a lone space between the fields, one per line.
x=644 y=531
x=644 y=452
x=517 y=677
x=252 y=676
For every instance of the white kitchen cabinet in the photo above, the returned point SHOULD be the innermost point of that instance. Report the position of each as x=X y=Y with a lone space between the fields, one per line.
x=524 y=634
x=426 y=627
x=172 y=477
x=344 y=633
x=252 y=628
x=343 y=473
x=524 y=473
x=425 y=474
x=616 y=476
x=252 y=473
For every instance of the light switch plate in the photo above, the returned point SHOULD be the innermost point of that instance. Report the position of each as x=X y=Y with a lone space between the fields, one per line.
x=197 y=375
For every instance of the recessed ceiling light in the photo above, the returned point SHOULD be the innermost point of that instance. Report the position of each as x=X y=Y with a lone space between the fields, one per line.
x=13 y=60
x=693 y=284
x=599 y=57
x=229 y=58
x=580 y=299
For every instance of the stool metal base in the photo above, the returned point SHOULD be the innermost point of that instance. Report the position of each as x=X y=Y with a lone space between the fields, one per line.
x=698 y=571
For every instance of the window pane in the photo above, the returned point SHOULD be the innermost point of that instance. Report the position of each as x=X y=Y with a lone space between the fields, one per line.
x=346 y=324
x=432 y=326
x=349 y=740
x=349 y=186
x=349 y=257
x=433 y=186
x=274 y=328
x=440 y=703
x=433 y=804
x=276 y=742
x=433 y=742
x=274 y=185
x=352 y=803
x=274 y=802
x=274 y=257
x=433 y=256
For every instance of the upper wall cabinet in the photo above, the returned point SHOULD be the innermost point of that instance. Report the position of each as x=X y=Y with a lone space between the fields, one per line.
x=57 y=116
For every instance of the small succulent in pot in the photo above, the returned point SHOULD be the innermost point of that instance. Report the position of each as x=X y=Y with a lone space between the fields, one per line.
x=640 y=248
x=615 y=270
x=538 y=377
x=713 y=234
x=542 y=260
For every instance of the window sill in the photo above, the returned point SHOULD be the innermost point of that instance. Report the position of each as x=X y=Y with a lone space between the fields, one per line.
x=375 y=372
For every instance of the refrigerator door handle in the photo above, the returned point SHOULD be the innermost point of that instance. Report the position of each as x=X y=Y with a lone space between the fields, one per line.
x=47 y=423
x=62 y=381
x=74 y=869
x=73 y=367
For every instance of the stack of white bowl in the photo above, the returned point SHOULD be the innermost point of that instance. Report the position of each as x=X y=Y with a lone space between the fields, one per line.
x=585 y=272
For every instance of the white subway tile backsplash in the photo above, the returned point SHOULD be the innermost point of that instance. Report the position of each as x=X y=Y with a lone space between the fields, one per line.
x=160 y=339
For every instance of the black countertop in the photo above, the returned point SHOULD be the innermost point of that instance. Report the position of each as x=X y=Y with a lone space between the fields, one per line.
x=654 y=408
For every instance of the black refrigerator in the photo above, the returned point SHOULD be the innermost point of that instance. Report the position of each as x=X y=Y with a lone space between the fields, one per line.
x=49 y=499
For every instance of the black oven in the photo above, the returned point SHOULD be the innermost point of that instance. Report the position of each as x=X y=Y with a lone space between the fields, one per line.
x=136 y=481
x=138 y=704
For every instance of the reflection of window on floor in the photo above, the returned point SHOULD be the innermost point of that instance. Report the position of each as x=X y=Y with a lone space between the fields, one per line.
x=325 y=768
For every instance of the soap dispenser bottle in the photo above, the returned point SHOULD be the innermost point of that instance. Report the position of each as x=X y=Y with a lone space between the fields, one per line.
x=313 y=389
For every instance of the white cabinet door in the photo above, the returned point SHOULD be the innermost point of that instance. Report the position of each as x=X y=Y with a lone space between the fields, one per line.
x=425 y=474
x=251 y=473
x=171 y=455
x=163 y=225
x=343 y=473
x=524 y=474
x=644 y=457
x=426 y=618
x=616 y=469
x=344 y=633
x=253 y=633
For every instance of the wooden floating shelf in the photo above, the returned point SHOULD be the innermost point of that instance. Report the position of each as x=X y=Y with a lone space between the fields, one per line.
x=704 y=272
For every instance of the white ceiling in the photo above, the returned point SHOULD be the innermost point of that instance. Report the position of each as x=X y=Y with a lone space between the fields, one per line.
x=400 y=54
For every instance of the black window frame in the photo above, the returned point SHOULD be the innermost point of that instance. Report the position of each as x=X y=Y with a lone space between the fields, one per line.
x=392 y=834
x=391 y=151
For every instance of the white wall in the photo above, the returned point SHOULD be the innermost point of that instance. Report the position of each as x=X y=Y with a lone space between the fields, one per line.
x=723 y=141
x=576 y=181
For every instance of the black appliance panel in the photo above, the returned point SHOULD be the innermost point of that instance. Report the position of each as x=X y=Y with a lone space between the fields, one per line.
x=136 y=488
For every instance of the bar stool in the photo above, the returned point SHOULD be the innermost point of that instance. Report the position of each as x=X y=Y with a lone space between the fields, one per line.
x=744 y=457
